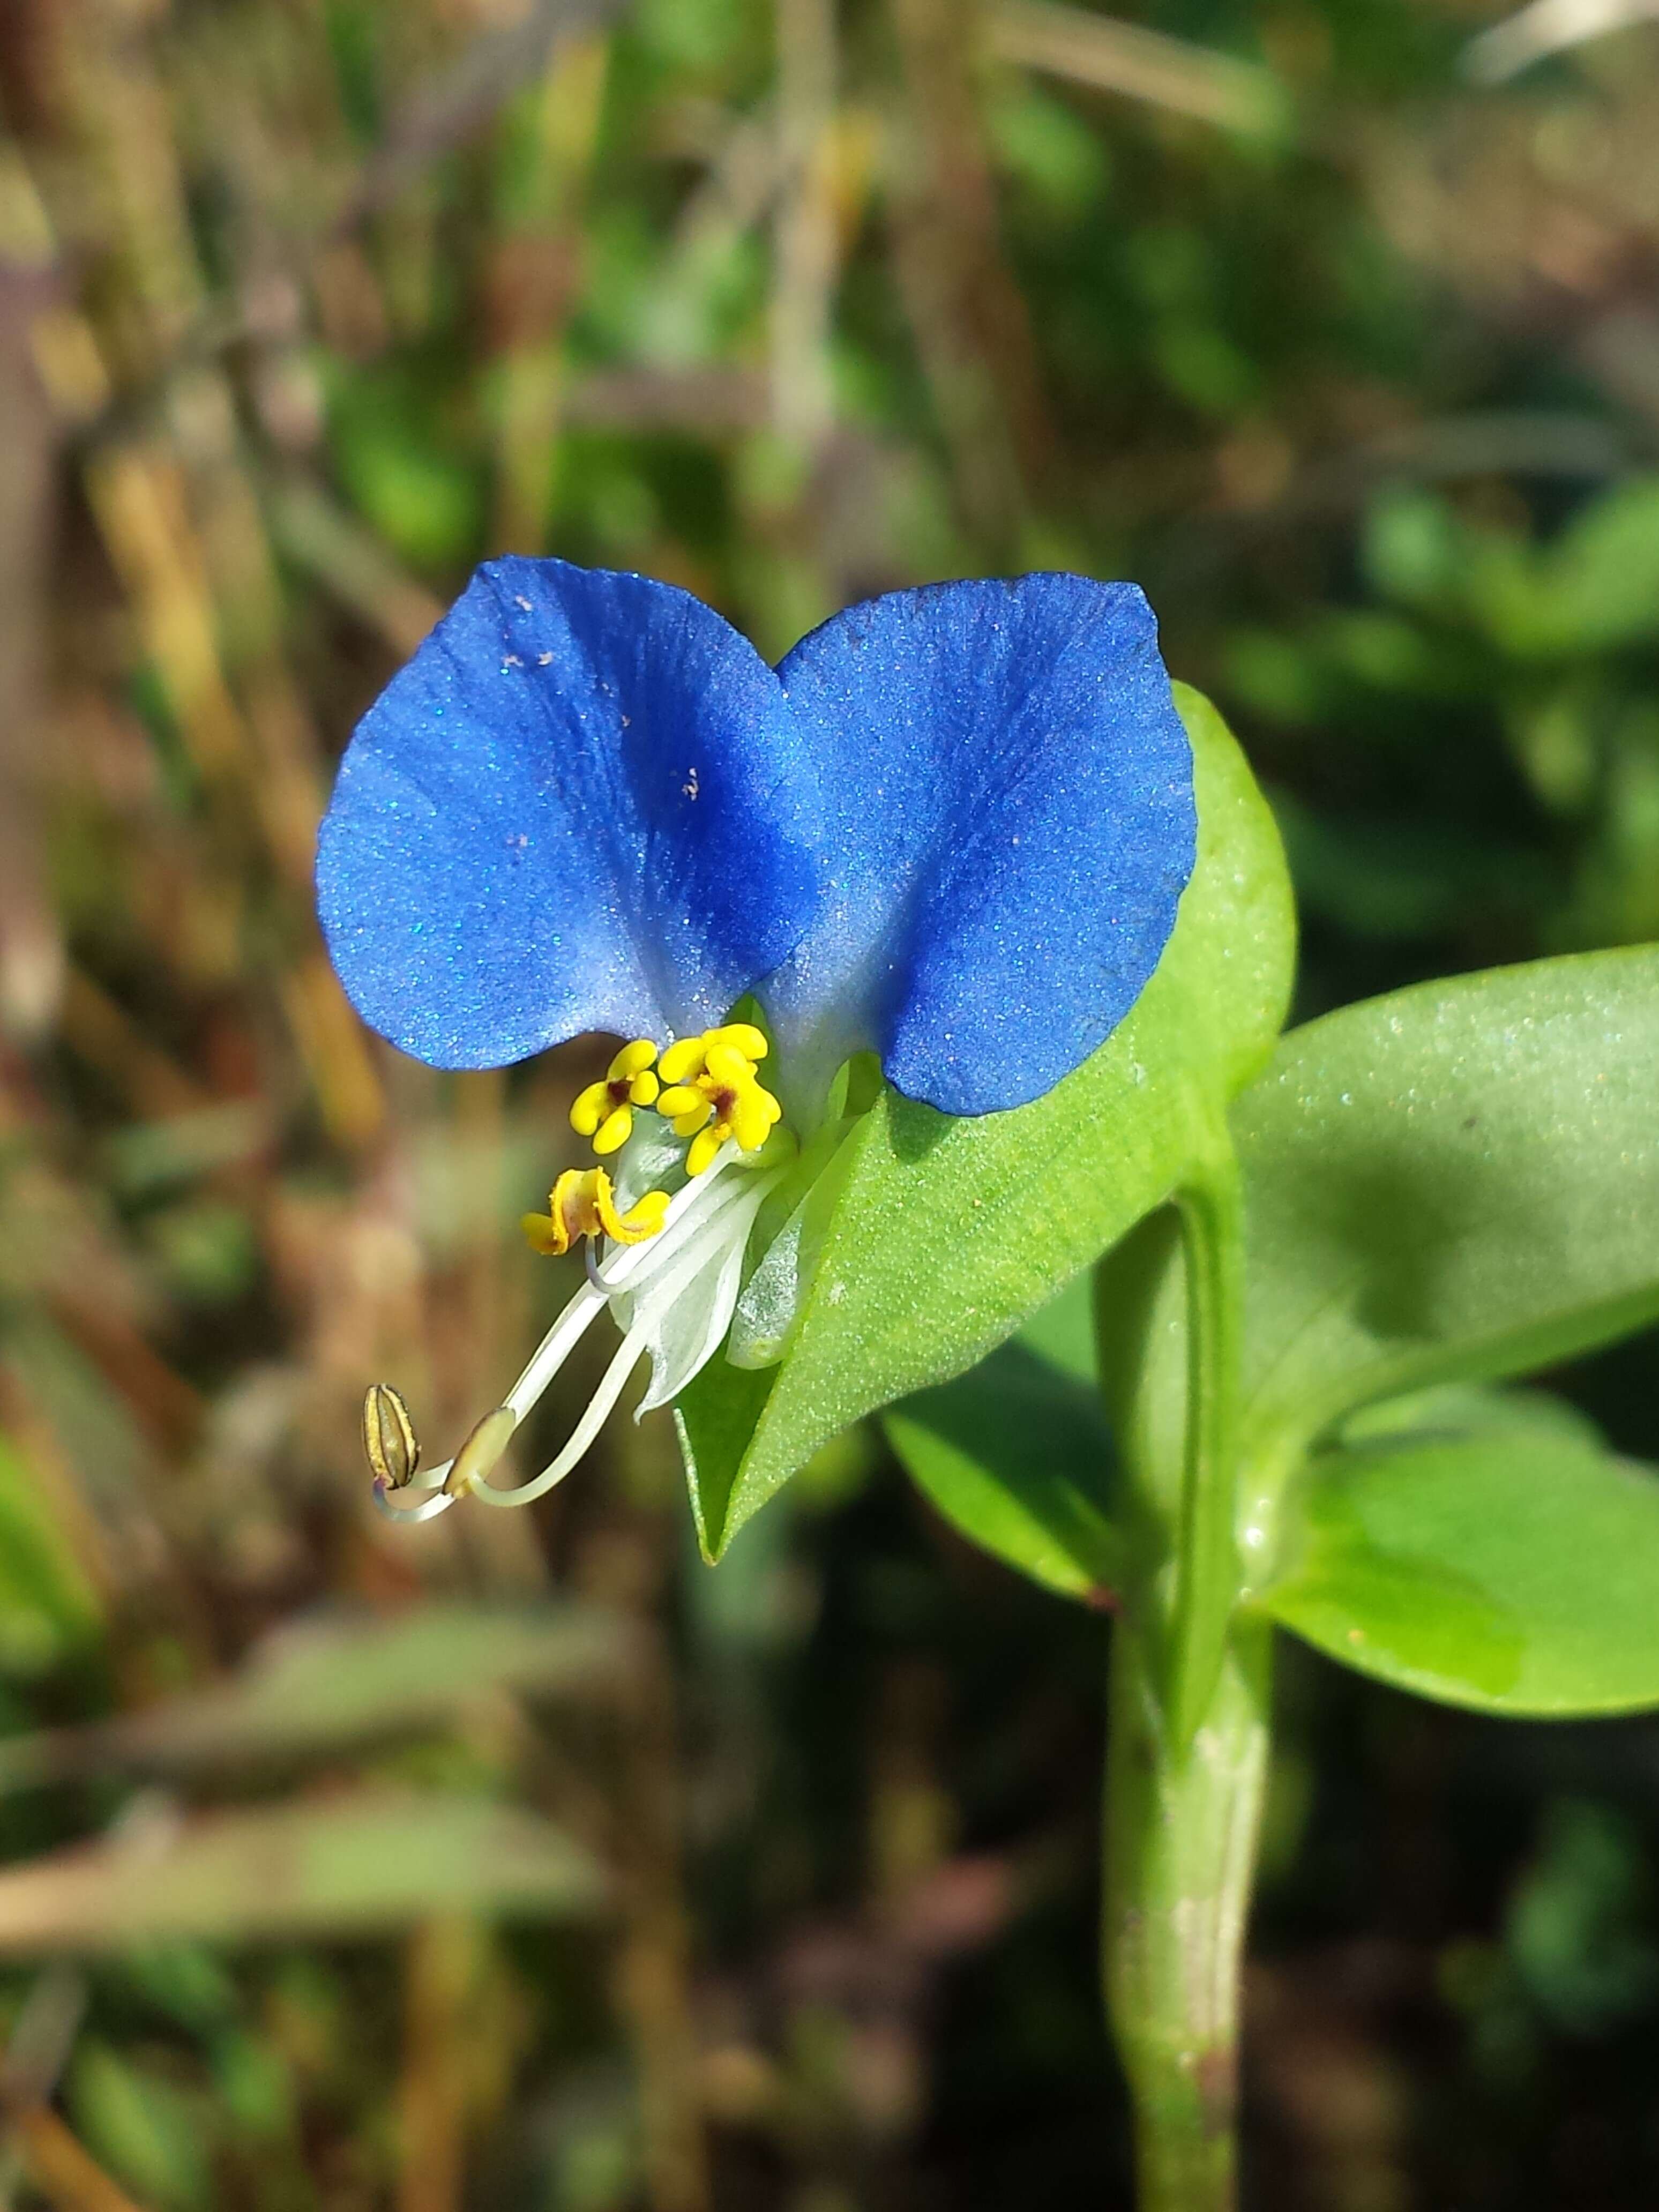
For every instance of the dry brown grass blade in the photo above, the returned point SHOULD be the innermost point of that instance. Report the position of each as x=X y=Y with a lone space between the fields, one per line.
x=61 y=2167
x=104 y=1034
x=806 y=245
x=31 y=955
x=537 y=282
x=359 y=1864
x=972 y=329
x=1140 y=64
x=440 y=1976
x=334 y=550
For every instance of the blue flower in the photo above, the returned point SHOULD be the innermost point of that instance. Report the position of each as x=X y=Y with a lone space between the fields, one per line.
x=952 y=829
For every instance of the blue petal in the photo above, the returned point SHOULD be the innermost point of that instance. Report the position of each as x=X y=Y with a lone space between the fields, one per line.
x=1010 y=822
x=580 y=806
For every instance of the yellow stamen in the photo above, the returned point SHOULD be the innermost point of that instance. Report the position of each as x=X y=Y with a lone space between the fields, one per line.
x=590 y=1109
x=704 y=1146
x=614 y=1131
x=688 y=1123
x=748 y=1039
x=582 y=1204
x=684 y=1060
x=633 y=1059
x=713 y=1092
x=603 y=1111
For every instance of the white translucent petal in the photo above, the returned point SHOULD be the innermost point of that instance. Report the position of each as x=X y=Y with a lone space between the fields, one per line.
x=771 y=1298
x=775 y=1293
x=684 y=1334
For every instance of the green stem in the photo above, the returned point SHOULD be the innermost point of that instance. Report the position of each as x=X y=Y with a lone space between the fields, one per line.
x=1181 y=1834
x=1207 y=1543
x=1187 y=1748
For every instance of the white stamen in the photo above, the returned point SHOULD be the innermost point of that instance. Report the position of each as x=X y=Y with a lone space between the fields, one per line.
x=663 y=1287
x=705 y=1231
x=626 y=1359
x=555 y=1348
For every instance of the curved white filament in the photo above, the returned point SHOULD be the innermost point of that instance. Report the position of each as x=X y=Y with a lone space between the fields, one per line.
x=707 y=1252
x=626 y=1359
x=705 y=1232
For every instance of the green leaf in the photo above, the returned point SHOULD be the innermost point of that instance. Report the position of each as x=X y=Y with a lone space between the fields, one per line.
x=1459 y=1182
x=1600 y=581
x=1461 y=1409
x=1062 y=1332
x=1016 y=1456
x=48 y=1608
x=157 y=2135
x=358 y=1865
x=950 y=1233
x=1514 y=1573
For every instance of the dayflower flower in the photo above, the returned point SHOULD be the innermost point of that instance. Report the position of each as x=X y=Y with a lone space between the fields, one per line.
x=950 y=831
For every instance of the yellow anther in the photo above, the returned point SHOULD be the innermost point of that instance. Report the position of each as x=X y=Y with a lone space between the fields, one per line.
x=604 y=1111
x=633 y=1060
x=583 y=1204
x=713 y=1092
x=684 y=1060
x=748 y=1041
x=704 y=1146
x=682 y=1099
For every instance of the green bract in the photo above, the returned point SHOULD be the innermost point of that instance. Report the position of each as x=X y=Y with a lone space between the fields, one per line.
x=946 y=1234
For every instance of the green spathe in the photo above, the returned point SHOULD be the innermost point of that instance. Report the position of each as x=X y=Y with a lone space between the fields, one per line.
x=950 y=1233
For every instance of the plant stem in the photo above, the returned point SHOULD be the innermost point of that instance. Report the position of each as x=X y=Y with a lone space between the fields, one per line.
x=1206 y=1542
x=1188 y=1746
x=1181 y=1831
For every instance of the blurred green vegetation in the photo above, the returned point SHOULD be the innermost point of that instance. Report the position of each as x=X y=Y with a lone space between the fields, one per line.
x=1332 y=322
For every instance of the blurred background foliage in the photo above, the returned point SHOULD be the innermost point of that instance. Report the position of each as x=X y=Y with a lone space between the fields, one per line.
x=519 y=1859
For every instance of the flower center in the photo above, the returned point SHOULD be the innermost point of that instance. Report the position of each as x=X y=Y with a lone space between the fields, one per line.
x=674 y=1296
